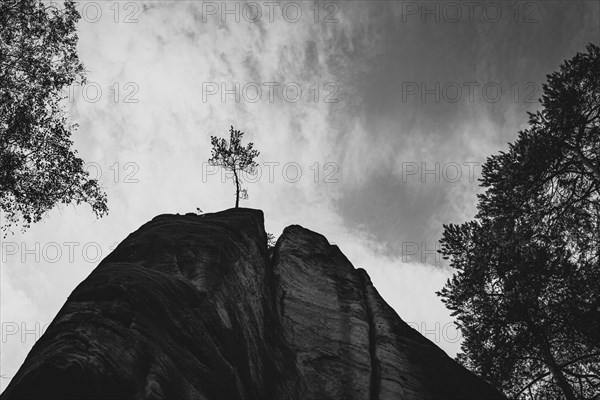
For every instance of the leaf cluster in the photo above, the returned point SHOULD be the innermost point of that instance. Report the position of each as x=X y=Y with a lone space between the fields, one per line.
x=38 y=167
x=231 y=154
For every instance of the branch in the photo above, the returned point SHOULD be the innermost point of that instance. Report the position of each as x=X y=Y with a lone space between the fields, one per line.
x=584 y=160
x=561 y=367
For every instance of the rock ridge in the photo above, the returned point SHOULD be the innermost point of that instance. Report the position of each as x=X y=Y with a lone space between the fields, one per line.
x=194 y=307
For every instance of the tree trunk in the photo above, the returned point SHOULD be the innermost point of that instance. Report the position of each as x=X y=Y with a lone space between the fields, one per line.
x=237 y=189
x=557 y=373
x=550 y=361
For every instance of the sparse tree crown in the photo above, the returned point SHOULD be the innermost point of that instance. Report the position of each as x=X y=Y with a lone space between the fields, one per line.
x=234 y=157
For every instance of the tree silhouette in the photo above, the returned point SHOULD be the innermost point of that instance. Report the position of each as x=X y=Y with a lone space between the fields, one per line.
x=526 y=292
x=38 y=168
x=234 y=157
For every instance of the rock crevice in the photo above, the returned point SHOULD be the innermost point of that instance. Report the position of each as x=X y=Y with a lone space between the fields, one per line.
x=375 y=365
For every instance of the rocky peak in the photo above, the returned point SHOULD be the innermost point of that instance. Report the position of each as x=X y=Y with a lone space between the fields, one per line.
x=193 y=307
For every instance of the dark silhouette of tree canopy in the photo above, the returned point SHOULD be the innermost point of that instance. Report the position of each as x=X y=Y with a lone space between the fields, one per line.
x=526 y=291
x=38 y=168
x=234 y=157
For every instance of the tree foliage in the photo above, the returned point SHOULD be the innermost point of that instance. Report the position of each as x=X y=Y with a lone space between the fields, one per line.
x=271 y=240
x=526 y=291
x=38 y=168
x=234 y=157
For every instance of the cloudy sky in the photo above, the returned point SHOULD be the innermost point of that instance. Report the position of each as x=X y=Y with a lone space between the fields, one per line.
x=372 y=118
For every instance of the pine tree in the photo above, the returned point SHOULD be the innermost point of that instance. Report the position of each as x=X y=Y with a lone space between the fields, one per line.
x=234 y=157
x=526 y=291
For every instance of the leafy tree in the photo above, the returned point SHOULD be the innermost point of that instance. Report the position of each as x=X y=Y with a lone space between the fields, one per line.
x=526 y=291
x=271 y=240
x=234 y=157
x=38 y=168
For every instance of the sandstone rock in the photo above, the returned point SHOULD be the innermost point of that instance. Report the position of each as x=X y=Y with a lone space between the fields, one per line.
x=194 y=307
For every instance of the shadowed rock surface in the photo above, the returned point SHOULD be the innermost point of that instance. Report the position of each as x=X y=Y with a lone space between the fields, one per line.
x=193 y=307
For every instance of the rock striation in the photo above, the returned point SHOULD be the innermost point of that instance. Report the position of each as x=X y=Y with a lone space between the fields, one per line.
x=195 y=307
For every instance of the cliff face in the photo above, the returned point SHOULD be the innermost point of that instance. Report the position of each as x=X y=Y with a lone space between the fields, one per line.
x=193 y=307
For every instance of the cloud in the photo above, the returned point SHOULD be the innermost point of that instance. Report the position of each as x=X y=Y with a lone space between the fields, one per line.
x=442 y=95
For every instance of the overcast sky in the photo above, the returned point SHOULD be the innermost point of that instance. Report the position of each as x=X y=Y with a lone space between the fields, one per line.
x=372 y=118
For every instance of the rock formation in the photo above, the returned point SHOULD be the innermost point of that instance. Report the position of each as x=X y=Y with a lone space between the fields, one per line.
x=194 y=307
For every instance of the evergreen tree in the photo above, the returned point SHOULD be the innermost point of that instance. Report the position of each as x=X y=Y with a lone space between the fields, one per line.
x=234 y=157
x=526 y=291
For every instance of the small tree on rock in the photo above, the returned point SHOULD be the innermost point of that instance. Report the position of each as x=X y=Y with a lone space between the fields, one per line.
x=234 y=157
